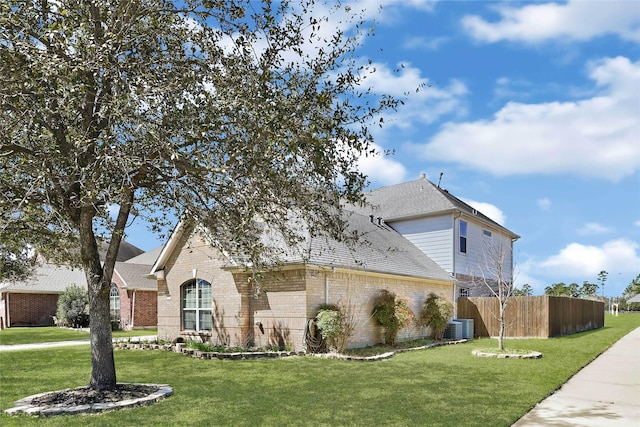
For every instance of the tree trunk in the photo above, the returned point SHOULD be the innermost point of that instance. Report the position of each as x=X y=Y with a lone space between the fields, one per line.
x=501 y=327
x=103 y=369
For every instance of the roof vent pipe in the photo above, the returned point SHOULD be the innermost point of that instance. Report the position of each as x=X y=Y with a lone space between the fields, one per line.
x=371 y=218
x=379 y=220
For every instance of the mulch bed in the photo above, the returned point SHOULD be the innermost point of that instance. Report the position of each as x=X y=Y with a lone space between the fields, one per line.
x=86 y=396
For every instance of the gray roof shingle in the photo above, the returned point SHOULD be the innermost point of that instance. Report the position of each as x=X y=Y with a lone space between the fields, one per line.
x=134 y=276
x=413 y=199
x=48 y=279
x=378 y=249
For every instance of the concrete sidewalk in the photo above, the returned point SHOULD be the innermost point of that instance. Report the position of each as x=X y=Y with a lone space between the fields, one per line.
x=606 y=392
x=18 y=347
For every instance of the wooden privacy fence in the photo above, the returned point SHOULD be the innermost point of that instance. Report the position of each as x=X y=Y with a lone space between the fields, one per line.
x=542 y=316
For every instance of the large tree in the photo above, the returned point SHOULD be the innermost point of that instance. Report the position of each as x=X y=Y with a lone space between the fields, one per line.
x=234 y=112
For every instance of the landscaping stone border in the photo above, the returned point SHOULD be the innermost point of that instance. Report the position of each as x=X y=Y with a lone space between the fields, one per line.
x=530 y=355
x=181 y=348
x=24 y=406
x=247 y=355
x=387 y=355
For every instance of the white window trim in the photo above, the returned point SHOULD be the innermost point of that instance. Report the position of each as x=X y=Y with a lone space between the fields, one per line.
x=197 y=309
x=463 y=236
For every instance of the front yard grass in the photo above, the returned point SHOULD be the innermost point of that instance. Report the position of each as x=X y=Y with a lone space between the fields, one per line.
x=30 y=335
x=443 y=386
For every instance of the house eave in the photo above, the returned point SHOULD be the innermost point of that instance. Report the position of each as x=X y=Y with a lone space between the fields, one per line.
x=343 y=269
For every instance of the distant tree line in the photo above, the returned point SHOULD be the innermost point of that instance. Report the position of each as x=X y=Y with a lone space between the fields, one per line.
x=588 y=290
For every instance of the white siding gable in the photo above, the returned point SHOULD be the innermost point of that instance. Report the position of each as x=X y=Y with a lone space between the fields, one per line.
x=477 y=261
x=432 y=235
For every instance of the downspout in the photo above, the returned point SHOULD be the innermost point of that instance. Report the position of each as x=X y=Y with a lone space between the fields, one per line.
x=456 y=215
x=8 y=311
x=326 y=288
x=326 y=285
x=133 y=307
x=455 y=254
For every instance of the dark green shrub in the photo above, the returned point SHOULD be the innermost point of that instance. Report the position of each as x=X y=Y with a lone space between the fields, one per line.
x=435 y=314
x=73 y=307
x=392 y=313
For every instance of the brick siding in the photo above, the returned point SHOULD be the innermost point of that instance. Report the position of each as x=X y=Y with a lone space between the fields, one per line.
x=286 y=301
x=30 y=309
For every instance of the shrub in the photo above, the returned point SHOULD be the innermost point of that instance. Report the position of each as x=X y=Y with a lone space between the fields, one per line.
x=73 y=307
x=436 y=312
x=392 y=313
x=336 y=324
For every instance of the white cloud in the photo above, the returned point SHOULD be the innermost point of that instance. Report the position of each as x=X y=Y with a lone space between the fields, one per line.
x=596 y=137
x=592 y=228
x=424 y=101
x=424 y=43
x=574 y=20
x=492 y=211
x=637 y=223
x=382 y=169
x=544 y=204
x=585 y=261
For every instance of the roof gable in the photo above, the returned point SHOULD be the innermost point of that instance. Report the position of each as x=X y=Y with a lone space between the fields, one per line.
x=134 y=276
x=419 y=198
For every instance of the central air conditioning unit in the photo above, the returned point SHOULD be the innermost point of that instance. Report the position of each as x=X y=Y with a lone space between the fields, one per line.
x=454 y=330
x=467 y=328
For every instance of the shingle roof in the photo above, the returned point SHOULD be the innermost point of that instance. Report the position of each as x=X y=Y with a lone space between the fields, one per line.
x=133 y=276
x=148 y=257
x=125 y=252
x=378 y=249
x=53 y=279
x=415 y=199
x=47 y=279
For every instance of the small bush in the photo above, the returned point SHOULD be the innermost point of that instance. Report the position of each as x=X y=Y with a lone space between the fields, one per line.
x=436 y=312
x=336 y=323
x=73 y=307
x=392 y=313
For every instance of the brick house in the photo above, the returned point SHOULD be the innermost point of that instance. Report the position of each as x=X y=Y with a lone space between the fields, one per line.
x=33 y=302
x=204 y=294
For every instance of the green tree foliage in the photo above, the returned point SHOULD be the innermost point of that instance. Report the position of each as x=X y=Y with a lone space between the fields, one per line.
x=16 y=261
x=392 y=313
x=602 y=278
x=435 y=314
x=236 y=112
x=562 y=289
x=73 y=307
x=588 y=290
x=525 y=291
x=630 y=291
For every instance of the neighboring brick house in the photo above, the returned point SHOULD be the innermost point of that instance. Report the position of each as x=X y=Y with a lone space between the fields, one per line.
x=452 y=233
x=33 y=302
x=203 y=294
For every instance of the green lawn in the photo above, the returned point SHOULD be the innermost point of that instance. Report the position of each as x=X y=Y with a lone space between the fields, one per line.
x=28 y=335
x=443 y=386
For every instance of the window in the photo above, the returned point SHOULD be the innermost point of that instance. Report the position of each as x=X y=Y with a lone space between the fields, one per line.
x=114 y=304
x=463 y=293
x=463 y=237
x=196 y=306
x=487 y=233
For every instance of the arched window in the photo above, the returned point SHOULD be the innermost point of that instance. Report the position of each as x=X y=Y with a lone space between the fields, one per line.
x=196 y=305
x=114 y=303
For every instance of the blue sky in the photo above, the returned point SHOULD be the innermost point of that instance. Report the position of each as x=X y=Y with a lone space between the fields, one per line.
x=531 y=111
